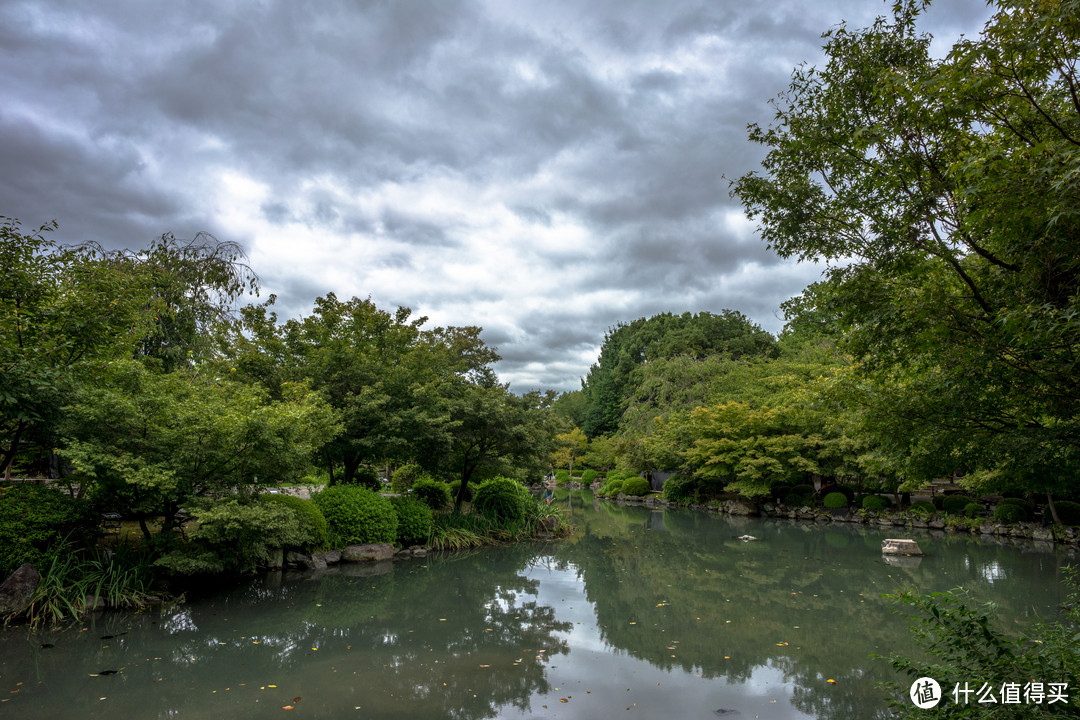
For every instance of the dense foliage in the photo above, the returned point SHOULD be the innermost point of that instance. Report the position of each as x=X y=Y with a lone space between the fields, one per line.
x=434 y=494
x=501 y=499
x=34 y=519
x=414 y=521
x=356 y=515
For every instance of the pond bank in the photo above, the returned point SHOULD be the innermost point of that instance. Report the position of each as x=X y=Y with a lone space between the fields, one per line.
x=984 y=527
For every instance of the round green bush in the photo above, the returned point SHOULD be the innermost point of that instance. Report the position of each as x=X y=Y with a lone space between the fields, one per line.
x=922 y=507
x=500 y=499
x=680 y=488
x=1069 y=512
x=875 y=503
x=587 y=476
x=562 y=477
x=35 y=519
x=973 y=509
x=434 y=494
x=404 y=477
x=357 y=515
x=312 y=531
x=636 y=487
x=799 y=495
x=611 y=488
x=836 y=500
x=1010 y=513
x=414 y=521
x=955 y=504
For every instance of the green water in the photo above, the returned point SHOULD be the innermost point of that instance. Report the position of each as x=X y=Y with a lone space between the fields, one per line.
x=641 y=613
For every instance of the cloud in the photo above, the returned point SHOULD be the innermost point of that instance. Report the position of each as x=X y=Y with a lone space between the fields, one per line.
x=545 y=170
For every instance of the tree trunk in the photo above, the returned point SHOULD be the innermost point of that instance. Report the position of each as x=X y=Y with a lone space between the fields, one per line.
x=9 y=454
x=459 y=497
x=1053 y=510
x=330 y=467
x=349 y=471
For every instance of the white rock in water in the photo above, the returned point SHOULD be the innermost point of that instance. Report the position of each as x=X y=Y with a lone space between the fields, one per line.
x=746 y=538
x=894 y=546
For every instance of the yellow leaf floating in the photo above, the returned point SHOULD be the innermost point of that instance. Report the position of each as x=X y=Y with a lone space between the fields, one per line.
x=563 y=700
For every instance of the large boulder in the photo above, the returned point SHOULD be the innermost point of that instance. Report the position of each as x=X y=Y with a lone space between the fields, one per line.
x=18 y=589
x=738 y=507
x=372 y=552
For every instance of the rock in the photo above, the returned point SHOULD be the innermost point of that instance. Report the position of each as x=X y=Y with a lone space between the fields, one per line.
x=277 y=559
x=17 y=590
x=738 y=507
x=295 y=559
x=332 y=557
x=746 y=538
x=895 y=546
x=1041 y=533
x=549 y=523
x=937 y=524
x=93 y=603
x=372 y=552
x=367 y=569
x=318 y=561
x=418 y=551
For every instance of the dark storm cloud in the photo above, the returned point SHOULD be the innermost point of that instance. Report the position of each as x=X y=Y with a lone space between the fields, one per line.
x=545 y=169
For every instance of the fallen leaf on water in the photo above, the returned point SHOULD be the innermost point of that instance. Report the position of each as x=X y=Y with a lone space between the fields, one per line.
x=271 y=686
x=296 y=699
x=485 y=666
x=286 y=707
x=563 y=700
x=830 y=680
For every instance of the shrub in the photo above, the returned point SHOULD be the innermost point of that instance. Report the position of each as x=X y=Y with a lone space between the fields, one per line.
x=922 y=507
x=311 y=527
x=434 y=494
x=973 y=510
x=500 y=499
x=587 y=476
x=562 y=477
x=414 y=521
x=404 y=477
x=1069 y=512
x=1010 y=513
x=636 y=486
x=939 y=501
x=357 y=515
x=836 y=500
x=849 y=492
x=874 y=503
x=453 y=485
x=799 y=495
x=955 y=504
x=611 y=488
x=35 y=519
x=365 y=477
x=680 y=488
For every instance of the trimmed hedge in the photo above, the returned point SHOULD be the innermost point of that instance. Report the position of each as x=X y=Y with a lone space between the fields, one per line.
x=922 y=507
x=874 y=503
x=636 y=486
x=611 y=488
x=313 y=531
x=562 y=477
x=680 y=488
x=1010 y=513
x=404 y=477
x=414 y=521
x=955 y=504
x=357 y=515
x=587 y=476
x=973 y=510
x=836 y=500
x=434 y=494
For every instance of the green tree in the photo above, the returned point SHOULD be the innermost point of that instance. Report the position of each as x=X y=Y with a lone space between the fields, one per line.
x=169 y=438
x=570 y=447
x=944 y=195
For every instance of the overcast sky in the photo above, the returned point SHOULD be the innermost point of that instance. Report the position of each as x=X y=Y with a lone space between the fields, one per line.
x=541 y=169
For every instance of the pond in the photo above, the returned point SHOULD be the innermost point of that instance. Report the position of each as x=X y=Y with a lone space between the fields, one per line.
x=640 y=613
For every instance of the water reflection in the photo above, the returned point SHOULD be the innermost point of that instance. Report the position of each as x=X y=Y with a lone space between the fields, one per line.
x=664 y=612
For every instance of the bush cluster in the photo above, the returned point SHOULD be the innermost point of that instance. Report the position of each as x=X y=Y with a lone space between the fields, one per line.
x=434 y=494
x=587 y=476
x=1010 y=513
x=973 y=510
x=874 y=503
x=611 y=487
x=365 y=477
x=404 y=477
x=413 y=521
x=836 y=500
x=955 y=504
x=311 y=527
x=562 y=477
x=680 y=489
x=799 y=495
x=922 y=507
x=1069 y=512
x=501 y=500
x=636 y=487
x=357 y=515
x=35 y=519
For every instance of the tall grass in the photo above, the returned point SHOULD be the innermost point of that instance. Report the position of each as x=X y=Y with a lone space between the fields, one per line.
x=461 y=531
x=75 y=582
